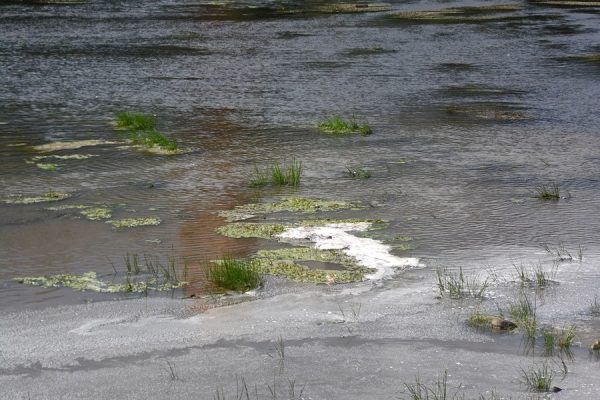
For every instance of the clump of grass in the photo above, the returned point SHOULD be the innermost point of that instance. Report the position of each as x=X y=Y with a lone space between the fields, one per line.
x=259 y=179
x=565 y=340
x=535 y=276
x=233 y=274
x=549 y=341
x=523 y=311
x=560 y=252
x=538 y=378
x=336 y=125
x=286 y=175
x=457 y=285
x=142 y=130
x=133 y=121
x=437 y=391
x=358 y=173
x=478 y=320
x=545 y=192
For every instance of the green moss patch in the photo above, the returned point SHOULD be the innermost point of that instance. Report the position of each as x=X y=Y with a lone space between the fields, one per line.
x=96 y=213
x=250 y=230
x=294 y=204
x=46 y=197
x=134 y=222
x=89 y=282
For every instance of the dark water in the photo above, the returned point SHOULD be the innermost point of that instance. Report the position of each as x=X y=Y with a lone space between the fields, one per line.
x=468 y=120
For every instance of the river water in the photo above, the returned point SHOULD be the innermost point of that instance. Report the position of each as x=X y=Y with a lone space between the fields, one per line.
x=468 y=120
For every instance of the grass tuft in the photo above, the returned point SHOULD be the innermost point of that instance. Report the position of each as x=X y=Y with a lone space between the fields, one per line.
x=535 y=276
x=544 y=192
x=336 y=125
x=457 y=285
x=233 y=274
x=142 y=130
x=358 y=173
x=524 y=313
x=286 y=175
x=538 y=378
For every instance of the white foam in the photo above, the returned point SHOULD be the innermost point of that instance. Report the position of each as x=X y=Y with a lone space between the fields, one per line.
x=368 y=252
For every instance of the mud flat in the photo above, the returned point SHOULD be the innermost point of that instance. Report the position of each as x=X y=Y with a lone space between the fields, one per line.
x=355 y=341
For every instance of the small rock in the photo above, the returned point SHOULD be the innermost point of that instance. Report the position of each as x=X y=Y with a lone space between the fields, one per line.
x=502 y=324
x=555 y=389
x=596 y=345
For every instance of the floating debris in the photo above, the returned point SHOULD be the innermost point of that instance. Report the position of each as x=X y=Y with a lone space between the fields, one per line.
x=67 y=207
x=134 y=222
x=300 y=273
x=46 y=197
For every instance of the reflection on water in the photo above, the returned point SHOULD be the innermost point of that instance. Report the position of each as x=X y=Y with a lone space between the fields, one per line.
x=468 y=120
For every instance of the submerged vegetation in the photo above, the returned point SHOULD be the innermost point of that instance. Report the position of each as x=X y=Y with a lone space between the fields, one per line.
x=138 y=277
x=134 y=222
x=288 y=174
x=250 y=230
x=46 y=197
x=292 y=204
x=234 y=274
x=336 y=125
x=141 y=129
x=545 y=192
x=96 y=213
x=458 y=285
x=358 y=173
x=538 y=378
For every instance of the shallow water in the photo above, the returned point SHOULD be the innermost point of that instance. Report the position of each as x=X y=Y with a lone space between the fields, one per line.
x=451 y=165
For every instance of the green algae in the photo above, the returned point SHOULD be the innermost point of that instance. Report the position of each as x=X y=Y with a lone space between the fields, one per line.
x=134 y=222
x=71 y=145
x=250 y=230
x=88 y=281
x=301 y=273
x=294 y=204
x=65 y=157
x=67 y=207
x=46 y=197
x=290 y=255
x=47 y=166
x=96 y=213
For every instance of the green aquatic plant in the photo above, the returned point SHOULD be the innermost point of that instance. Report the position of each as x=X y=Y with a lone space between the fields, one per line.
x=524 y=312
x=538 y=378
x=439 y=390
x=259 y=179
x=336 y=125
x=250 y=230
x=153 y=138
x=128 y=120
x=65 y=157
x=141 y=129
x=47 y=166
x=134 y=222
x=535 y=276
x=234 y=274
x=458 y=285
x=358 y=173
x=546 y=193
x=46 y=197
x=96 y=213
x=292 y=204
x=286 y=175
x=300 y=273
x=311 y=254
